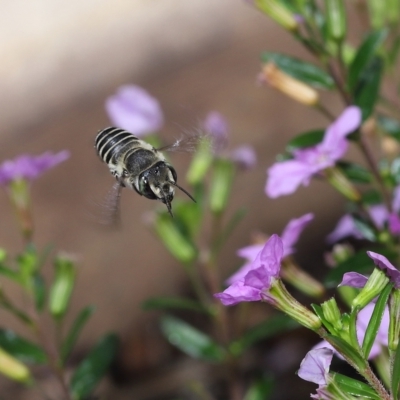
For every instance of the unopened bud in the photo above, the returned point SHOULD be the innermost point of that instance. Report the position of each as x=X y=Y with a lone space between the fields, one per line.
x=390 y=147
x=340 y=182
x=278 y=12
x=394 y=321
x=293 y=88
x=13 y=369
x=332 y=314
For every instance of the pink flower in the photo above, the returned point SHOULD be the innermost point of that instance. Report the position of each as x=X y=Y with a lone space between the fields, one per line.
x=255 y=284
x=290 y=236
x=285 y=177
x=29 y=167
x=134 y=109
x=315 y=366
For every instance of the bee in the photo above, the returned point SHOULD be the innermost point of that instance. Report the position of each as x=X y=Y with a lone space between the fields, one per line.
x=137 y=165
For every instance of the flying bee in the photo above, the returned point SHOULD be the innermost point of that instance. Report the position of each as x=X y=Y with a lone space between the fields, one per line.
x=138 y=165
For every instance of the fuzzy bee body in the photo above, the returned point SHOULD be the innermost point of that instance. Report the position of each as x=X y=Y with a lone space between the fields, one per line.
x=137 y=165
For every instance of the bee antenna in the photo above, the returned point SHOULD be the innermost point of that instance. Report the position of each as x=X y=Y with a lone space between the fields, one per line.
x=183 y=190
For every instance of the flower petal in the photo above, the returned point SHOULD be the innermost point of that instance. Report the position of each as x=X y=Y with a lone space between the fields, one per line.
x=344 y=228
x=353 y=279
x=285 y=177
x=270 y=256
x=237 y=293
x=315 y=366
x=385 y=265
x=244 y=156
x=134 y=109
x=292 y=231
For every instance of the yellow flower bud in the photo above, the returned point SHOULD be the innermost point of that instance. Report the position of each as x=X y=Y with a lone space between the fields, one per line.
x=12 y=368
x=293 y=88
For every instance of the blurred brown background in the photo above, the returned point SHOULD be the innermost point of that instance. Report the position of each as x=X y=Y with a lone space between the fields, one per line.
x=60 y=60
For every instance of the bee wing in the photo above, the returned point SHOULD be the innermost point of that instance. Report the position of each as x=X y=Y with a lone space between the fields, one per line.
x=188 y=142
x=108 y=210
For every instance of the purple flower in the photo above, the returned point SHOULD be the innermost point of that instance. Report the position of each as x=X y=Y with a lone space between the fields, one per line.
x=134 y=109
x=216 y=125
x=285 y=177
x=357 y=280
x=315 y=366
x=363 y=319
x=255 y=284
x=29 y=167
x=290 y=236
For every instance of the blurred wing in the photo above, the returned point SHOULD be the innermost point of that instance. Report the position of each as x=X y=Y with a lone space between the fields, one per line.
x=108 y=211
x=189 y=142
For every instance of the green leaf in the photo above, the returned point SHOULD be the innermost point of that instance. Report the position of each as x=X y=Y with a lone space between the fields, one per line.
x=396 y=374
x=271 y=327
x=371 y=197
x=301 y=70
x=261 y=389
x=39 y=291
x=390 y=125
x=75 y=330
x=364 y=55
x=221 y=185
x=190 y=340
x=375 y=321
x=367 y=89
x=354 y=387
x=20 y=348
x=347 y=351
x=93 y=367
x=180 y=303
x=306 y=139
x=10 y=273
x=355 y=173
x=187 y=215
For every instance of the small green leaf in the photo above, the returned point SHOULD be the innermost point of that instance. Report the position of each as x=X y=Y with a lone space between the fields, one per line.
x=364 y=55
x=354 y=387
x=306 y=139
x=75 y=330
x=261 y=389
x=20 y=348
x=190 y=340
x=221 y=185
x=271 y=327
x=187 y=215
x=354 y=172
x=375 y=321
x=93 y=367
x=10 y=273
x=335 y=19
x=179 y=303
x=367 y=89
x=301 y=70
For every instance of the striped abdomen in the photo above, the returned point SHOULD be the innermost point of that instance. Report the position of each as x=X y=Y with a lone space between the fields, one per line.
x=111 y=143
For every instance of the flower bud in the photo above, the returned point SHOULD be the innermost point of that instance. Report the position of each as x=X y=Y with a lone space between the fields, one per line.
x=390 y=147
x=336 y=19
x=278 y=12
x=394 y=324
x=375 y=284
x=340 y=182
x=300 y=279
x=290 y=86
x=332 y=314
x=201 y=162
x=13 y=369
x=174 y=240
x=221 y=185
x=280 y=298
x=63 y=285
